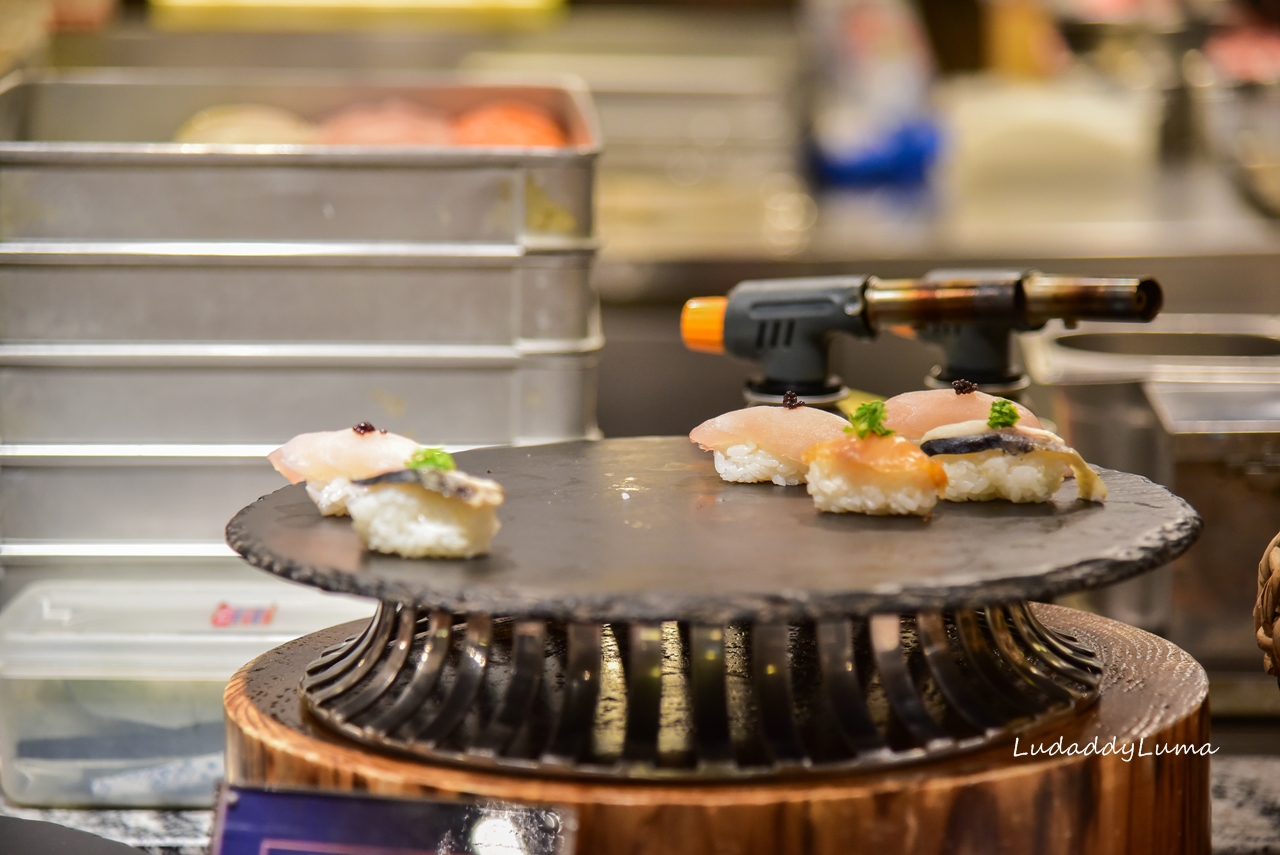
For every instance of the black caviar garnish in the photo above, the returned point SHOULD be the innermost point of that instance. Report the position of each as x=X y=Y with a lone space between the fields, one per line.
x=964 y=387
x=365 y=427
x=792 y=401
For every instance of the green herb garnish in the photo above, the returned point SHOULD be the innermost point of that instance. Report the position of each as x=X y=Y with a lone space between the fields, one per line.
x=868 y=419
x=1003 y=414
x=431 y=458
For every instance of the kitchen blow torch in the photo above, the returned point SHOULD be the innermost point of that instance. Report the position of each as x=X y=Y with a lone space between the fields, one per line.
x=786 y=325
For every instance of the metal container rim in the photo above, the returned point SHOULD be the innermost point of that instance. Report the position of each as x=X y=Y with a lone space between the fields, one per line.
x=63 y=253
x=154 y=153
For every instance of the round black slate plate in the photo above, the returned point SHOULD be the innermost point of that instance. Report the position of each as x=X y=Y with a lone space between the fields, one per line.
x=644 y=529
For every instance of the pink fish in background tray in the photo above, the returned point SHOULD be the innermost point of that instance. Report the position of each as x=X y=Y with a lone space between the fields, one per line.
x=389 y=123
x=508 y=123
x=394 y=122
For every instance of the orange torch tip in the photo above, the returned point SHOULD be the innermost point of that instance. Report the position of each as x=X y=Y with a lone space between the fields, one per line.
x=702 y=324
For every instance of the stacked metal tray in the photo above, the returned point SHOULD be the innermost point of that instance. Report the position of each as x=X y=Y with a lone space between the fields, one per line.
x=169 y=312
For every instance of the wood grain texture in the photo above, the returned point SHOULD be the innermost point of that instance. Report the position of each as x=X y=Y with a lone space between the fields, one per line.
x=989 y=802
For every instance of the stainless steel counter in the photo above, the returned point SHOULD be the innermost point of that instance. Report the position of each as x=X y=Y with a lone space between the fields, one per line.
x=1189 y=227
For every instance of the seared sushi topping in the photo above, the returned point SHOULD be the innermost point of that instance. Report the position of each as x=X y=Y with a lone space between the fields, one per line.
x=964 y=387
x=366 y=427
x=431 y=458
x=1003 y=414
x=792 y=401
x=868 y=419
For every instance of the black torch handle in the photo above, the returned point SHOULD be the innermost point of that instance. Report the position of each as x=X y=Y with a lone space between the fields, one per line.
x=786 y=325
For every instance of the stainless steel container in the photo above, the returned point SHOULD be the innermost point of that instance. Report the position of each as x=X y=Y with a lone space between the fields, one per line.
x=170 y=313
x=1193 y=402
x=335 y=293
x=86 y=156
x=94 y=497
x=266 y=393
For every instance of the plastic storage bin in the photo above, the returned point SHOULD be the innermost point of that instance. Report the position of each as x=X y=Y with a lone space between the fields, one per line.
x=111 y=691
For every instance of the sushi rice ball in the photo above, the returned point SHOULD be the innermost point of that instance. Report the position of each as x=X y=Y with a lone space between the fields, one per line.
x=998 y=458
x=427 y=511
x=872 y=471
x=758 y=444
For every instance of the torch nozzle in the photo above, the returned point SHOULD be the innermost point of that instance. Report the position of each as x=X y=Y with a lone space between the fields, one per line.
x=1021 y=300
x=1081 y=298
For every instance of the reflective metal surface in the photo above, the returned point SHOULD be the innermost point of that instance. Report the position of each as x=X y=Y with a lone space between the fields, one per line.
x=72 y=402
x=86 y=156
x=479 y=295
x=154 y=295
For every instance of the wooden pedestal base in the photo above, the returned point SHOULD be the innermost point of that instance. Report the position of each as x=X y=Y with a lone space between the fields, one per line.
x=1153 y=698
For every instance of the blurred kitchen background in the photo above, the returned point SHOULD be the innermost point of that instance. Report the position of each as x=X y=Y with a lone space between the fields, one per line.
x=750 y=139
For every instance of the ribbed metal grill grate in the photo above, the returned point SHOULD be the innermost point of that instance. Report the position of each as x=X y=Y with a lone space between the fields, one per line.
x=678 y=700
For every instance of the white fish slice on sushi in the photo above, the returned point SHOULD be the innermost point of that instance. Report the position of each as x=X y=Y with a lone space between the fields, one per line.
x=913 y=414
x=762 y=444
x=999 y=459
x=330 y=460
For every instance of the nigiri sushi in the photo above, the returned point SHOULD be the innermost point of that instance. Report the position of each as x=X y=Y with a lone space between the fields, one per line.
x=766 y=443
x=872 y=470
x=427 y=510
x=999 y=458
x=913 y=414
x=330 y=460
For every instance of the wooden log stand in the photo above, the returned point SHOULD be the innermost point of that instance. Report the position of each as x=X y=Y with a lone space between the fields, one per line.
x=1153 y=695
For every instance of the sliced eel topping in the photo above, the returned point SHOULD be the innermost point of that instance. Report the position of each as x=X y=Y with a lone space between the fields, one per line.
x=1006 y=440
